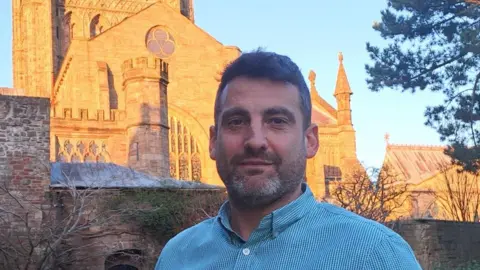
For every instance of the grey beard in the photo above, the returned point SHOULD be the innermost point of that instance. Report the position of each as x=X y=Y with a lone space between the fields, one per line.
x=273 y=190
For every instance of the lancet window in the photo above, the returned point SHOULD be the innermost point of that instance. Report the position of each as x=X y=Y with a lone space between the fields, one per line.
x=185 y=162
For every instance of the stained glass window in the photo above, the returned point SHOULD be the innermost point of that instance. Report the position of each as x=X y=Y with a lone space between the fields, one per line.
x=192 y=145
x=173 y=165
x=185 y=161
x=160 y=42
x=172 y=135
x=179 y=142
x=184 y=171
x=196 y=168
x=185 y=142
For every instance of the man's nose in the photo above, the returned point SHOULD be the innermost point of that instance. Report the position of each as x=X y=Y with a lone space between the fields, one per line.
x=256 y=139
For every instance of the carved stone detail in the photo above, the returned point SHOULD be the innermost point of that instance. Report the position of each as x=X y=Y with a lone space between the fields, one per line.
x=81 y=150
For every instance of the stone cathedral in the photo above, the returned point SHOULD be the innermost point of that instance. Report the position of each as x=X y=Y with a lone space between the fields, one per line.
x=133 y=82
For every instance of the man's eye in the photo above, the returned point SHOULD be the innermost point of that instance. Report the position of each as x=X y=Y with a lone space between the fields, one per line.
x=277 y=121
x=235 y=122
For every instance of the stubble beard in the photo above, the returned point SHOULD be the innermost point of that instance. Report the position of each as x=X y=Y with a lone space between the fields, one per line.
x=285 y=180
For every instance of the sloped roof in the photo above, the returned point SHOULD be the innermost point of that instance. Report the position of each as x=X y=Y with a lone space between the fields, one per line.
x=320 y=117
x=415 y=162
x=322 y=112
x=109 y=175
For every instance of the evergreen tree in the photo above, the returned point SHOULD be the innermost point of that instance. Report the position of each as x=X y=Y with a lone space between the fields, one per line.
x=434 y=45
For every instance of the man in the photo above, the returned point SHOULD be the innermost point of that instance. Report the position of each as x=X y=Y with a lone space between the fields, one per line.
x=260 y=141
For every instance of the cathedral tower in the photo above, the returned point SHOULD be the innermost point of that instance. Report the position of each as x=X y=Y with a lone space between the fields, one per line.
x=145 y=83
x=33 y=46
x=348 y=156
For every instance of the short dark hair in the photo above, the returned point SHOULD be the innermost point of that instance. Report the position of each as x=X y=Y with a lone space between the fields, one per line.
x=261 y=64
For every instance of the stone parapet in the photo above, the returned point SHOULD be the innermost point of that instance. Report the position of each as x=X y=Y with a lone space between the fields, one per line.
x=145 y=68
x=89 y=115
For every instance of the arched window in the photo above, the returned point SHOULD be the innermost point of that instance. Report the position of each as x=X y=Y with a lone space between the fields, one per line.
x=127 y=259
x=94 y=26
x=98 y=25
x=185 y=161
x=123 y=267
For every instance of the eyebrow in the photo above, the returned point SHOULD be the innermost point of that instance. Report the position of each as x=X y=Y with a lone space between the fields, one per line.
x=233 y=111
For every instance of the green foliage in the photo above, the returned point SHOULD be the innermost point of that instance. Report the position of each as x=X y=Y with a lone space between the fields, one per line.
x=434 y=45
x=164 y=213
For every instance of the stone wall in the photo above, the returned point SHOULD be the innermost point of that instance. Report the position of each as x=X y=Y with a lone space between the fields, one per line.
x=24 y=176
x=25 y=144
x=441 y=243
x=107 y=240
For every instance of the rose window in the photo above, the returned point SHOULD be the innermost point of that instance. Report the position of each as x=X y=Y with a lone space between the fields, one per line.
x=160 y=42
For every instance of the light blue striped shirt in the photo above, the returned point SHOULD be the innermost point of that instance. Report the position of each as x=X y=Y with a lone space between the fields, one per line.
x=305 y=234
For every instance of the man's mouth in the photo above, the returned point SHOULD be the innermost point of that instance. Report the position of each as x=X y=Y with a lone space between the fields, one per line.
x=255 y=162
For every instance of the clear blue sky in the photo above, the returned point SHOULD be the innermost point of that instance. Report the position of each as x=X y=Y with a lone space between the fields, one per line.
x=311 y=32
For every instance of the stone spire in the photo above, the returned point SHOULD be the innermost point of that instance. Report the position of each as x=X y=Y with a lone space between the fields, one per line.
x=313 y=89
x=342 y=95
x=342 y=86
x=348 y=156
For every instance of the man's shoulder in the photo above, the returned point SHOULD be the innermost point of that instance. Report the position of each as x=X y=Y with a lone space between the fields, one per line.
x=337 y=216
x=383 y=247
x=180 y=243
x=182 y=239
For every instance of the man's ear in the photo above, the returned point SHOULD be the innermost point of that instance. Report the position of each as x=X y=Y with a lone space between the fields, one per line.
x=212 y=142
x=311 y=140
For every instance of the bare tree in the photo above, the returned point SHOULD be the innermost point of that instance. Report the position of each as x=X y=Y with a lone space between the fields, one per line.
x=376 y=199
x=85 y=211
x=458 y=194
x=38 y=234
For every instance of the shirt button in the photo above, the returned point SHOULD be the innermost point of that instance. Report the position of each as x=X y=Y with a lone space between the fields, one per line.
x=246 y=251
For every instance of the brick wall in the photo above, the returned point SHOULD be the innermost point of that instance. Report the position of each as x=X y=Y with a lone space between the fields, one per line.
x=25 y=144
x=444 y=243
x=24 y=175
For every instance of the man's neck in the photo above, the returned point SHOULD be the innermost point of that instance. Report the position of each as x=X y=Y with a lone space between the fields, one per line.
x=244 y=222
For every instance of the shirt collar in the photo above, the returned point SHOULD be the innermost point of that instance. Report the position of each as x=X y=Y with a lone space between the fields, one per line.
x=276 y=222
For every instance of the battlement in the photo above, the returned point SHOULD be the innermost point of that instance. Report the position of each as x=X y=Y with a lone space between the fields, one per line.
x=145 y=67
x=89 y=115
x=12 y=91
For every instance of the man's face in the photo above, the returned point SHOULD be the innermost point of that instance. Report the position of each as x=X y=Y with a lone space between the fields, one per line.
x=259 y=144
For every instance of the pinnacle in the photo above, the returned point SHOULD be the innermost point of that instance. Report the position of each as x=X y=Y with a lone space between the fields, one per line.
x=342 y=86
